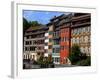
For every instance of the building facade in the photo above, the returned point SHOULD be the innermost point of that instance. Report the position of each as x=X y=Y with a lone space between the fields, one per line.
x=65 y=25
x=34 y=40
x=50 y=40
x=81 y=31
x=61 y=38
x=56 y=40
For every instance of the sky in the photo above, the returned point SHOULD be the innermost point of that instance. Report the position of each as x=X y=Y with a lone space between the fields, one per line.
x=42 y=17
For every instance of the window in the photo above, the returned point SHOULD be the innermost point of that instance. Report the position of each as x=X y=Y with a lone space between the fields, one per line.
x=75 y=31
x=79 y=30
x=57 y=33
x=83 y=29
x=27 y=37
x=53 y=59
x=53 y=33
x=66 y=47
x=30 y=42
x=77 y=40
x=26 y=42
x=46 y=44
x=50 y=39
x=82 y=50
x=89 y=49
x=86 y=49
x=62 y=38
x=32 y=49
x=26 y=49
x=81 y=39
x=86 y=29
x=56 y=59
x=66 y=39
x=50 y=46
x=89 y=39
x=53 y=50
x=86 y=39
x=62 y=47
x=57 y=50
x=46 y=51
x=73 y=40
x=89 y=29
x=58 y=42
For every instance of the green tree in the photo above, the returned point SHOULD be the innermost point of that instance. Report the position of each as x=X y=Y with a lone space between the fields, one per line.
x=26 y=24
x=78 y=58
x=34 y=23
x=40 y=60
x=75 y=54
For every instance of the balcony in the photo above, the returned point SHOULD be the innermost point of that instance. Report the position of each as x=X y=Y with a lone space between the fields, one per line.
x=46 y=47
x=46 y=40
x=81 y=24
x=56 y=45
x=80 y=17
x=39 y=38
x=64 y=21
x=55 y=54
x=34 y=33
x=46 y=34
x=34 y=45
x=38 y=50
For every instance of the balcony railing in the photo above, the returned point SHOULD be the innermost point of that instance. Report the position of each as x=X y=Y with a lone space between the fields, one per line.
x=38 y=50
x=56 y=46
x=55 y=54
x=37 y=38
x=38 y=32
x=35 y=45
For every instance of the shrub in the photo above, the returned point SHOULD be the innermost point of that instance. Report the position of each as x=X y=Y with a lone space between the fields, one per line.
x=85 y=62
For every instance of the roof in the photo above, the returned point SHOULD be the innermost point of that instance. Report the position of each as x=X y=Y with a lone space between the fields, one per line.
x=32 y=28
x=56 y=17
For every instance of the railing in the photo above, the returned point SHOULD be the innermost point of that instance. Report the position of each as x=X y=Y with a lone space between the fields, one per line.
x=38 y=32
x=37 y=38
x=55 y=54
x=34 y=45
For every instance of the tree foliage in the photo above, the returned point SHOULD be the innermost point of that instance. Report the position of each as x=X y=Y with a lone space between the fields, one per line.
x=27 y=24
x=78 y=58
x=85 y=62
x=75 y=54
x=34 y=23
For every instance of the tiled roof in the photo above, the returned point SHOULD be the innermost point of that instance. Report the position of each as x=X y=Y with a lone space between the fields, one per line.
x=33 y=28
